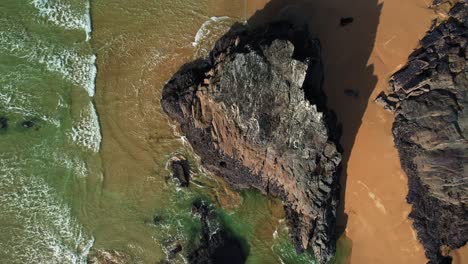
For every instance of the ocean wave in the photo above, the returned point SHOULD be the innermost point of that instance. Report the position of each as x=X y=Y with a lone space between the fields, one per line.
x=62 y=13
x=206 y=29
x=18 y=97
x=87 y=132
x=79 y=69
x=42 y=228
x=73 y=64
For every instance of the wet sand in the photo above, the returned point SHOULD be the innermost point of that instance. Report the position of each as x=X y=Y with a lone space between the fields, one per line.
x=361 y=57
x=376 y=186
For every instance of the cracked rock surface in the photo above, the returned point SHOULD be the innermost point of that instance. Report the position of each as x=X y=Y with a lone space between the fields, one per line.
x=429 y=97
x=255 y=113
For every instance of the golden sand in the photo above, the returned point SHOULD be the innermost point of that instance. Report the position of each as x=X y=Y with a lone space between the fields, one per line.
x=361 y=57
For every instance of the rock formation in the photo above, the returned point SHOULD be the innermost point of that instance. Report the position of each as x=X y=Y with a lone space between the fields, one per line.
x=218 y=245
x=255 y=113
x=180 y=168
x=430 y=100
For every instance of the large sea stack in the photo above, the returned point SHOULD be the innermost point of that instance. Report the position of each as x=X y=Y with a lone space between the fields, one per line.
x=255 y=113
x=430 y=100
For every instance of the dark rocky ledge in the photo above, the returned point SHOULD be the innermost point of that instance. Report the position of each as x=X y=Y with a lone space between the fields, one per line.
x=429 y=97
x=255 y=113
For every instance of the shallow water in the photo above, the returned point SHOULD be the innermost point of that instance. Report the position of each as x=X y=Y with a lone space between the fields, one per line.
x=139 y=46
x=49 y=149
x=80 y=180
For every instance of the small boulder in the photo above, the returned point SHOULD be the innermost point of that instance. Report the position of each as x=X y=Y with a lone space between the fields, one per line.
x=180 y=168
x=172 y=248
x=387 y=104
x=27 y=124
x=3 y=123
x=158 y=219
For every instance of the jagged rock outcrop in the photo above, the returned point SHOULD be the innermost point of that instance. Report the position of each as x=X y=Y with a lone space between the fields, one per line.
x=255 y=113
x=180 y=168
x=430 y=100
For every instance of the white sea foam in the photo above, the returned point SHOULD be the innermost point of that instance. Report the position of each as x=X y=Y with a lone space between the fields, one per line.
x=75 y=164
x=77 y=68
x=62 y=13
x=42 y=228
x=275 y=234
x=87 y=132
x=205 y=29
x=88 y=26
x=14 y=99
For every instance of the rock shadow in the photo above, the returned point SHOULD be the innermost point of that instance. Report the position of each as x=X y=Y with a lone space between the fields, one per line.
x=347 y=32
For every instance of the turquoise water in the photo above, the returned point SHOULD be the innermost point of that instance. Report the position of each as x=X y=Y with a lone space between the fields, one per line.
x=73 y=179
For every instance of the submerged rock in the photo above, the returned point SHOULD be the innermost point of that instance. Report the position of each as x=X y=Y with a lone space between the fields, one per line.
x=27 y=124
x=172 y=248
x=158 y=219
x=431 y=132
x=109 y=257
x=255 y=113
x=218 y=245
x=3 y=123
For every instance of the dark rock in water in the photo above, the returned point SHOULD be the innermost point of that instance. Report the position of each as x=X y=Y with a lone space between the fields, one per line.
x=176 y=248
x=27 y=124
x=218 y=245
x=431 y=132
x=344 y=21
x=158 y=219
x=172 y=248
x=255 y=113
x=180 y=167
x=3 y=123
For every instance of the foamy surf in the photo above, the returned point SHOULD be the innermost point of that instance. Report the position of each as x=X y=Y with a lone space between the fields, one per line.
x=205 y=29
x=88 y=26
x=73 y=65
x=39 y=167
x=42 y=228
x=87 y=132
x=63 y=14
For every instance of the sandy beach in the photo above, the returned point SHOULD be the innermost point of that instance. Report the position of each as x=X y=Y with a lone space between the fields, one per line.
x=359 y=59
